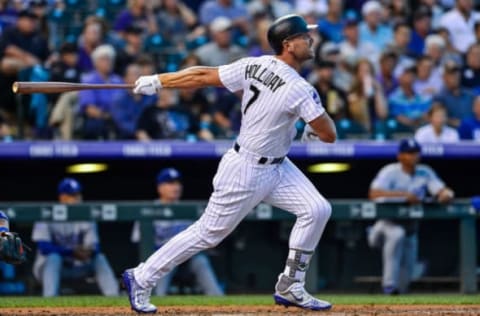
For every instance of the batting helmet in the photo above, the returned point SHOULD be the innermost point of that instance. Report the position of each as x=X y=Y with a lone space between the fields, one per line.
x=285 y=27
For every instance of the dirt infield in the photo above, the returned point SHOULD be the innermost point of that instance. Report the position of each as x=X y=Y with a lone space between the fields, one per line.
x=339 y=310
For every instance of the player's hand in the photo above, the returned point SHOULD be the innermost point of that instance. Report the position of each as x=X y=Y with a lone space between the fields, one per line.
x=82 y=254
x=148 y=85
x=445 y=196
x=413 y=199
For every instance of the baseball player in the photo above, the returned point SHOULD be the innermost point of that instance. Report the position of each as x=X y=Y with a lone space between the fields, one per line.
x=404 y=181
x=70 y=249
x=169 y=189
x=256 y=168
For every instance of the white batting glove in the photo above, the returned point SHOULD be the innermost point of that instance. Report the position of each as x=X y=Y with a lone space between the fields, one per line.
x=309 y=134
x=148 y=85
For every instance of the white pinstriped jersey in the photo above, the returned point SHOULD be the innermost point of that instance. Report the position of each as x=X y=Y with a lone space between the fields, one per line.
x=275 y=96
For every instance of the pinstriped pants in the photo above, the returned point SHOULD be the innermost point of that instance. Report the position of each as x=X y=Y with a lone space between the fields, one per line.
x=239 y=185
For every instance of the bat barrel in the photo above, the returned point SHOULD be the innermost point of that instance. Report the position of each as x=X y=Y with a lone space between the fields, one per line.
x=59 y=87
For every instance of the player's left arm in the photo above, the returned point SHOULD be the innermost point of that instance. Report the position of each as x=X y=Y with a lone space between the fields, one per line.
x=324 y=127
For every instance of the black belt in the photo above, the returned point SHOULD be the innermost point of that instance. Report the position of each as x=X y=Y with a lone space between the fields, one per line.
x=262 y=160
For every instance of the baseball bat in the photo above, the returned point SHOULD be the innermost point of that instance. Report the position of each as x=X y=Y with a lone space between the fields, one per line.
x=27 y=87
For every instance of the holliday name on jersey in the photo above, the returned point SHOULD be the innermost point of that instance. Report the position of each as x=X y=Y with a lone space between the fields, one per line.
x=266 y=77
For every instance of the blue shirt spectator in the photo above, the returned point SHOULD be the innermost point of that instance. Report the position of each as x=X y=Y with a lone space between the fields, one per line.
x=95 y=105
x=331 y=27
x=227 y=8
x=407 y=106
x=456 y=98
x=371 y=29
x=470 y=127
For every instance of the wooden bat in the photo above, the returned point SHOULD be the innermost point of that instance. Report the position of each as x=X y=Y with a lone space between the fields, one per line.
x=27 y=87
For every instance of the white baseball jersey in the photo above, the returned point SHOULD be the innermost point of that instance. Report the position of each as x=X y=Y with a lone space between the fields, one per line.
x=275 y=96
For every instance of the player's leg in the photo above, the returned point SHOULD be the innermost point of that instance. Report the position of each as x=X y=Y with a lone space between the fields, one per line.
x=238 y=187
x=161 y=289
x=409 y=262
x=51 y=274
x=296 y=194
x=392 y=254
x=204 y=274
x=106 y=280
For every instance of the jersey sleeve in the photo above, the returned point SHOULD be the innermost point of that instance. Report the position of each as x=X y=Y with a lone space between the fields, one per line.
x=41 y=232
x=232 y=75
x=305 y=102
x=382 y=179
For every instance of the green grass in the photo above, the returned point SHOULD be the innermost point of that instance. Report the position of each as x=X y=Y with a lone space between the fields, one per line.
x=340 y=299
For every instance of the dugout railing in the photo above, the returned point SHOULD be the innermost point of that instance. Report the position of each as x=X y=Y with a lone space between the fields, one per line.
x=356 y=210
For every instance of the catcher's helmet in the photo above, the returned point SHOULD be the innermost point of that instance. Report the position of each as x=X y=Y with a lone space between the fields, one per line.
x=285 y=27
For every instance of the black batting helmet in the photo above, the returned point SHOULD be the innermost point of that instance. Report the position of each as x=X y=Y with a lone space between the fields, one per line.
x=285 y=27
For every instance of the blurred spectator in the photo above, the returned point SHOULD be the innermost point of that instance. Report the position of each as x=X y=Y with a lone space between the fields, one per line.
x=177 y=23
x=147 y=64
x=351 y=48
x=371 y=30
x=163 y=120
x=235 y=11
x=333 y=99
x=435 y=48
x=5 y=130
x=388 y=62
x=427 y=83
x=405 y=105
x=169 y=190
x=271 y=9
x=70 y=249
x=95 y=105
x=409 y=182
x=460 y=22
x=22 y=46
x=8 y=15
x=259 y=45
x=66 y=68
x=456 y=98
x=62 y=118
x=366 y=100
x=127 y=107
x=450 y=52
x=138 y=13
x=331 y=26
x=398 y=11
x=226 y=115
x=421 y=29
x=399 y=45
x=221 y=50
x=436 y=12
x=91 y=37
x=316 y=7
x=471 y=69
x=40 y=9
x=470 y=127
x=437 y=130
x=330 y=52
x=131 y=51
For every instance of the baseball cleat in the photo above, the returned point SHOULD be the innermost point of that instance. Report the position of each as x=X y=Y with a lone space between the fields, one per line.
x=138 y=296
x=297 y=296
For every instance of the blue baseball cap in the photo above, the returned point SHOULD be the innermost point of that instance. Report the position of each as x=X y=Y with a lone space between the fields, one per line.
x=409 y=145
x=168 y=175
x=69 y=186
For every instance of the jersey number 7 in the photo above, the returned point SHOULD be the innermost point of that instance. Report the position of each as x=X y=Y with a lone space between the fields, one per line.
x=254 y=97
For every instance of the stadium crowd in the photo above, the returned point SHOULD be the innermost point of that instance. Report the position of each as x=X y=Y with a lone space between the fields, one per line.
x=384 y=69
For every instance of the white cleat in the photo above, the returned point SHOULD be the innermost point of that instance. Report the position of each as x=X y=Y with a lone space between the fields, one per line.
x=296 y=295
x=138 y=296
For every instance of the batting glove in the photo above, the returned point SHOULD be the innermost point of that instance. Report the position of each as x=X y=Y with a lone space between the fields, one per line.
x=308 y=134
x=148 y=85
